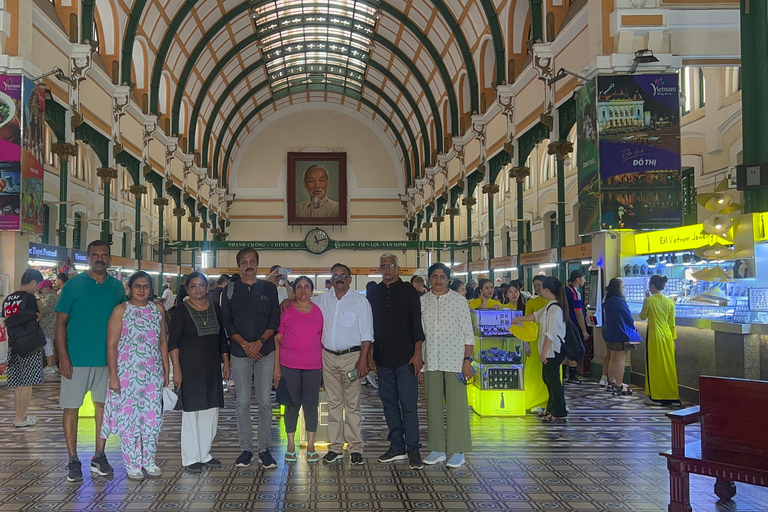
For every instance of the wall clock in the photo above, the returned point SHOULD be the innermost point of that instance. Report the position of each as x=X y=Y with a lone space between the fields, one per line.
x=317 y=241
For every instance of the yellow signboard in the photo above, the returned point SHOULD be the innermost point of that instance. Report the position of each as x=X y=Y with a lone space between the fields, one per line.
x=495 y=402
x=685 y=238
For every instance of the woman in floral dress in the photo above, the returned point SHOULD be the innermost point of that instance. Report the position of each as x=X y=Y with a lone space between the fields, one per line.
x=137 y=357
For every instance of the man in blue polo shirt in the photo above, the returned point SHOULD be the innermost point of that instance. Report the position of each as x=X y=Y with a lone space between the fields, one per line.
x=82 y=314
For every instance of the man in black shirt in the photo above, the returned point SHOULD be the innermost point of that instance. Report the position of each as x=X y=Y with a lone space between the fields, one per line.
x=251 y=315
x=398 y=336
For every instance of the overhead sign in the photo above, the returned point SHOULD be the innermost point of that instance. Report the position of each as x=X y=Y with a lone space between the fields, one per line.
x=475 y=266
x=154 y=266
x=79 y=256
x=300 y=245
x=47 y=252
x=119 y=261
x=685 y=238
x=576 y=252
x=539 y=257
x=299 y=271
x=504 y=262
x=170 y=269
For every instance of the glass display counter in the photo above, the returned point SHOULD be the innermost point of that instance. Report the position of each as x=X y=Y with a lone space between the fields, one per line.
x=498 y=388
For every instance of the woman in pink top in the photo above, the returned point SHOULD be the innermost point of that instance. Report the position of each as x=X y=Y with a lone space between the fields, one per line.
x=299 y=360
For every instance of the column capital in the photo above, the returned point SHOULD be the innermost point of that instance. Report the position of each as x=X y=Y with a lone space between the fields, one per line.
x=179 y=212
x=205 y=225
x=519 y=173
x=438 y=219
x=469 y=202
x=561 y=148
x=193 y=219
x=106 y=174
x=138 y=190
x=452 y=212
x=64 y=150
x=427 y=225
x=215 y=231
x=491 y=189
x=161 y=202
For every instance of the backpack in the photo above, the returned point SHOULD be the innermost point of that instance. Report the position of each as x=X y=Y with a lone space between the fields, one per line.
x=572 y=345
x=24 y=335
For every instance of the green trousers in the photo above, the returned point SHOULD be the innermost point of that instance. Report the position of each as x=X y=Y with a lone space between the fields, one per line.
x=447 y=427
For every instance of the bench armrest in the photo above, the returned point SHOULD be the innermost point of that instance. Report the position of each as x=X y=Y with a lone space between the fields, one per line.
x=685 y=416
x=679 y=420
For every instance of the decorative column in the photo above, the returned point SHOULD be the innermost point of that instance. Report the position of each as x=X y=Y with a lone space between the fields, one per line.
x=161 y=203
x=452 y=213
x=561 y=149
x=106 y=174
x=519 y=174
x=138 y=191
x=194 y=219
x=438 y=221
x=754 y=94
x=179 y=213
x=170 y=149
x=120 y=102
x=63 y=151
x=469 y=202
x=490 y=190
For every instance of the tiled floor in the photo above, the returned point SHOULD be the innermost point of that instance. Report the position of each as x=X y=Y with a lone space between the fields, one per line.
x=605 y=459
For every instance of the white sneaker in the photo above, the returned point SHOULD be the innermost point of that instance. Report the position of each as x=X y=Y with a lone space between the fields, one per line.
x=137 y=474
x=434 y=458
x=373 y=380
x=153 y=471
x=50 y=371
x=603 y=381
x=456 y=461
x=28 y=422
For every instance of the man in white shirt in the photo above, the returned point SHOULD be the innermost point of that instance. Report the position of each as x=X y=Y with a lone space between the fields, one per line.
x=167 y=297
x=284 y=290
x=347 y=337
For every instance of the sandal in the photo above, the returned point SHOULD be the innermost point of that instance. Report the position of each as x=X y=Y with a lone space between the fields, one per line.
x=543 y=414
x=553 y=419
x=313 y=457
x=290 y=457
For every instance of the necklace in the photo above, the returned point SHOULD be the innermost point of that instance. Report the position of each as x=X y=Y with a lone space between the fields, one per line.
x=207 y=315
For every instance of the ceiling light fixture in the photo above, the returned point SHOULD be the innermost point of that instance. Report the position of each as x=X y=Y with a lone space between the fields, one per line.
x=644 y=56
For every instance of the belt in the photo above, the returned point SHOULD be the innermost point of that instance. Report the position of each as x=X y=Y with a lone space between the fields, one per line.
x=342 y=352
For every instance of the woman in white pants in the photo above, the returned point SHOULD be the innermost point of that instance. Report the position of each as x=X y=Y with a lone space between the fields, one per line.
x=198 y=346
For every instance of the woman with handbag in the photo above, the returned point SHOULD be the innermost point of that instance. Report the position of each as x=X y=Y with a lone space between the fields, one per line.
x=24 y=371
x=198 y=347
x=299 y=361
x=619 y=334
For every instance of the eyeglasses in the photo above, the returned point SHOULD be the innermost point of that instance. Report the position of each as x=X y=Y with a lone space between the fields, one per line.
x=340 y=277
x=388 y=266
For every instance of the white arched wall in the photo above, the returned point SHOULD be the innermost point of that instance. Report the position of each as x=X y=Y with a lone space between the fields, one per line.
x=258 y=176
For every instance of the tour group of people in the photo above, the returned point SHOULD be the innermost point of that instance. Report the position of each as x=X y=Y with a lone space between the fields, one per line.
x=125 y=349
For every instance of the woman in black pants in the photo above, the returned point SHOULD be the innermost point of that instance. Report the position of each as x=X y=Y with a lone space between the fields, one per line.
x=551 y=322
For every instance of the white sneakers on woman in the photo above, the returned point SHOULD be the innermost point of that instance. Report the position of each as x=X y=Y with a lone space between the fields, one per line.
x=153 y=471
x=456 y=461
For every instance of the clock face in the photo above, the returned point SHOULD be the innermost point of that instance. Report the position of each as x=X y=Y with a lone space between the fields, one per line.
x=317 y=241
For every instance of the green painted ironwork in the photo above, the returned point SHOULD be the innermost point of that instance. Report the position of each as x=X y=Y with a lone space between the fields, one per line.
x=497 y=163
x=96 y=140
x=529 y=139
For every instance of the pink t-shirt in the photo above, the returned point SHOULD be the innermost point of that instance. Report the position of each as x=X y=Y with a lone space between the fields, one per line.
x=301 y=347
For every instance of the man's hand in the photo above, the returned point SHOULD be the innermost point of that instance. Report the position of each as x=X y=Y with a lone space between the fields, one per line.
x=177 y=377
x=253 y=349
x=65 y=368
x=362 y=366
x=417 y=362
x=585 y=334
x=467 y=370
x=371 y=363
x=226 y=371
x=420 y=376
x=285 y=305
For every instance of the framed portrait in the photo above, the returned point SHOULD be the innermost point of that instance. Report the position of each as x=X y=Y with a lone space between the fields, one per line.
x=317 y=189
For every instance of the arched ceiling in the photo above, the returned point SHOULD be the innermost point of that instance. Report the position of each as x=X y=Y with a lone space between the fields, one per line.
x=227 y=62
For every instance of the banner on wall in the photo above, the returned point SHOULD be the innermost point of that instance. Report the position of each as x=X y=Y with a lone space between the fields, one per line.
x=22 y=146
x=628 y=130
x=638 y=120
x=587 y=158
x=32 y=156
x=10 y=152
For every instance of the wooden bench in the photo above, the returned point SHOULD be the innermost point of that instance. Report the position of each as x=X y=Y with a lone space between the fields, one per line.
x=734 y=439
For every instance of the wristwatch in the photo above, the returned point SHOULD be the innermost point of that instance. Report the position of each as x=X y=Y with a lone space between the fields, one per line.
x=468 y=359
x=262 y=340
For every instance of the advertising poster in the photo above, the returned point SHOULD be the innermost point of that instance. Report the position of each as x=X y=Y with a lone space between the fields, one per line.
x=32 y=156
x=638 y=123
x=587 y=159
x=10 y=152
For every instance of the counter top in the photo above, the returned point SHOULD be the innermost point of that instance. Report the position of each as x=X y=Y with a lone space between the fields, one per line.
x=719 y=326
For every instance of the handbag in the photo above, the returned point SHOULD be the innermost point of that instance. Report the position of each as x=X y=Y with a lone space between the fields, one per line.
x=24 y=334
x=171 y=400
x=282 y=395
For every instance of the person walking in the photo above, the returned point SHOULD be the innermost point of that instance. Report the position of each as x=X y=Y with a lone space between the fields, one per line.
x=299 y=361
x=551 y=322
x=660 y=365
x=397 y=355
x=48 y=323
x=137 y=358
x=448 y=345
x=82 y=314
x=485 y=300
x=347 y=336
x=251 y=314
x=198 y=347
x=214 y=293
x=619 y=334
x=24 y=372
x=536 y=393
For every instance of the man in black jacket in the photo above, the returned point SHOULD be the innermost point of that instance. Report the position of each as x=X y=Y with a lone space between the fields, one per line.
x=398 y=336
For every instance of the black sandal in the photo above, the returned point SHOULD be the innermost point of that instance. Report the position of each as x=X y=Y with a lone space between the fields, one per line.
x=553 y=419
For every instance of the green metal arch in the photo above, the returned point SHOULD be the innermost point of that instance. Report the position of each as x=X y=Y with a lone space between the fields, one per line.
x=497 y=39
x=96 y=140
x=366 y=102
x=87 y=18
x=175 y=193
x=247 y=97
x=194 y=55
x=130 y=37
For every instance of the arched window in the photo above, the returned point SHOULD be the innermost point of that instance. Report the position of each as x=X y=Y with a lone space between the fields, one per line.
x=139 y=64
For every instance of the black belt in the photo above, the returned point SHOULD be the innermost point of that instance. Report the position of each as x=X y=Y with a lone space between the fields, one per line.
x=342 y=352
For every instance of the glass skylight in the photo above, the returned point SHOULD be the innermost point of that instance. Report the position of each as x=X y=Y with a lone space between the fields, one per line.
x=315 y=44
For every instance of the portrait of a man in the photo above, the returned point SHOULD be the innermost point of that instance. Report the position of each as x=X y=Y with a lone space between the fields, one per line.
x=316 y=180
x=317 y=189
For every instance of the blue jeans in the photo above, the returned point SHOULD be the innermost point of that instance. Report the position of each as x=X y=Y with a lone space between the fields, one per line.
x=399 y=392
